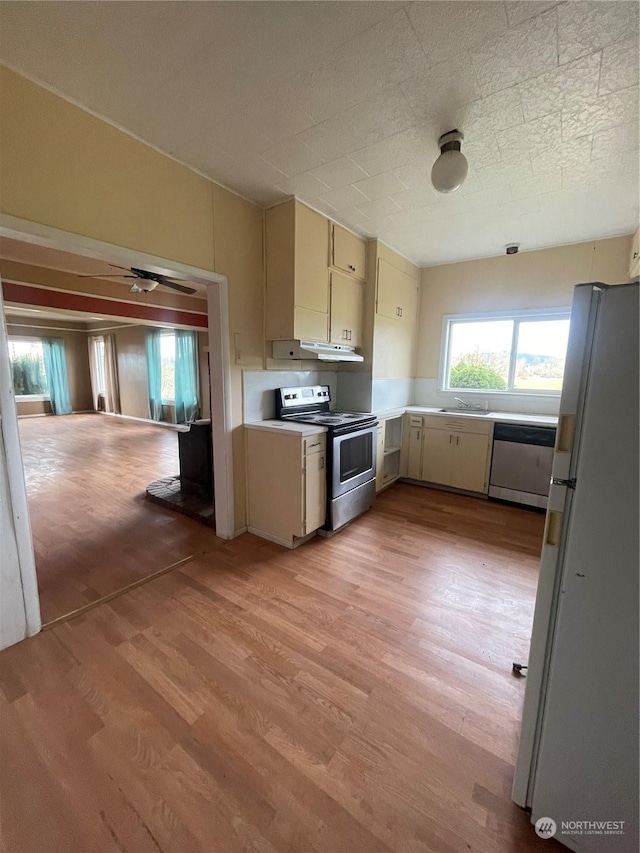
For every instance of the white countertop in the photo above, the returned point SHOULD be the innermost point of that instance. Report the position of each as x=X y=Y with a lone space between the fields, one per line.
x=288 y=427
x=525 y=418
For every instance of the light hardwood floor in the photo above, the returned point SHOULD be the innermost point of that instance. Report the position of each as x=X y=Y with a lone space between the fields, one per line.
x=352 y=696
x=93 y=530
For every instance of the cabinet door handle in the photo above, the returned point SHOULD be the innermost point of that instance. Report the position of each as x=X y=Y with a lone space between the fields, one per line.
x=349 y=334
x=321 y=462
x=401 y=311
x=457 y=439
x=450 y=437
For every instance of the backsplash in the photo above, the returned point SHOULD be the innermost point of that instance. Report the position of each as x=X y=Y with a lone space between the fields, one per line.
x=258 y=387
x=425 y=393
x=389 y=394
x=357 y=392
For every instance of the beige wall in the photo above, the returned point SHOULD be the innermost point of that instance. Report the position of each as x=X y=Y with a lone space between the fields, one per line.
x=64 y=167
x=541 y=279
x=77 y=356
x=239 y=256
x=132 y=370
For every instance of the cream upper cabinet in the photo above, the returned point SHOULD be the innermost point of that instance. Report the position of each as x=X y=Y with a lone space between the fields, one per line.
x=297 y=283
x=347 y=301
x=347 y=251
x=396 y=294
x=286 y=484
x=634 y=257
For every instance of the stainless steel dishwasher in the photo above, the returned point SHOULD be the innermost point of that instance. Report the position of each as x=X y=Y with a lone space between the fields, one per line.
x=521 y=463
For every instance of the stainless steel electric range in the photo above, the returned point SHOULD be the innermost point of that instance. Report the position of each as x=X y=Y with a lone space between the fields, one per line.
x=351 y=450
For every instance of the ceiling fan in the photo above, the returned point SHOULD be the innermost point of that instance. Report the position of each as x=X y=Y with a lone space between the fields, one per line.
x=145 y=280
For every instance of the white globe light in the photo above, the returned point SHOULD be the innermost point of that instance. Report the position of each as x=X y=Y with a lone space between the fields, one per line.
x=450 y=169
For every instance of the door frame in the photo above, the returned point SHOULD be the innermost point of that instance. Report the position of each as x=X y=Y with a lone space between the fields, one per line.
x=26 y=592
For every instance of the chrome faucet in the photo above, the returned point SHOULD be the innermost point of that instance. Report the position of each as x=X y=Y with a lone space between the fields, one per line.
x=463 y=403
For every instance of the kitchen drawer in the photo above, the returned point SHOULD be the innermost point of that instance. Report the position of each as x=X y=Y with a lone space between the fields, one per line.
x=462 y=424
x=314 y=444
x=415 y=420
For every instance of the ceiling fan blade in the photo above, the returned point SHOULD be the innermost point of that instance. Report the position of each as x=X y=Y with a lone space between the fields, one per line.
x=118 y=267
x=107 y=275
x=175 y=286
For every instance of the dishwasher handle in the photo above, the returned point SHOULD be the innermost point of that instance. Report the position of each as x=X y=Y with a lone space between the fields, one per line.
x=539 y=436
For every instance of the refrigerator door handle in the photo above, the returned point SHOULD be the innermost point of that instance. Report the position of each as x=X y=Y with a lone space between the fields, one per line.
x=570 y=483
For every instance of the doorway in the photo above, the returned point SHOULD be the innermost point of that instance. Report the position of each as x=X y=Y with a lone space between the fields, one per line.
x=215 y=316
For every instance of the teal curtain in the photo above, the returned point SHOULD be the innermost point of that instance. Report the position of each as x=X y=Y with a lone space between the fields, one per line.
x=55 y=365
x=186 y=389
x=154 y=374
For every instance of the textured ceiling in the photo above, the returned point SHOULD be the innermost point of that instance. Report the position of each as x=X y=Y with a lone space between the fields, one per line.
x=341 y=104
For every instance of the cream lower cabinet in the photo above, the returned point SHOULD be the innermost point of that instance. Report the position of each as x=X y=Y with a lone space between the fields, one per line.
x=450 y=452
x=286 y=485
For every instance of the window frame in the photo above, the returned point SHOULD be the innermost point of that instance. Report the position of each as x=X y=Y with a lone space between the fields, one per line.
x=524 y=315
x=27 y=398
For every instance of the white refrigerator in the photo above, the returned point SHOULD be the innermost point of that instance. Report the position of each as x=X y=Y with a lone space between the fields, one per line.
x=577 y=767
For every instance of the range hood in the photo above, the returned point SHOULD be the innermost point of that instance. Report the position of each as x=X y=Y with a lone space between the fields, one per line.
x=311 y=351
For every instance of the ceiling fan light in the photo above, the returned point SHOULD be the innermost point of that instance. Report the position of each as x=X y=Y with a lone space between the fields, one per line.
x=451 y=168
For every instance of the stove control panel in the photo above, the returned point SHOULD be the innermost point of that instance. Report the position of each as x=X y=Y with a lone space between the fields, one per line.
x=311 y=396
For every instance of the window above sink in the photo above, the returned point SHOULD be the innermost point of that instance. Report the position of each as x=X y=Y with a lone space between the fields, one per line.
x=513 y=353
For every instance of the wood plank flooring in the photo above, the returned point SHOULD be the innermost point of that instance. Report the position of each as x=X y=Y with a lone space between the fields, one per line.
x=94 y=532
x=353 y=696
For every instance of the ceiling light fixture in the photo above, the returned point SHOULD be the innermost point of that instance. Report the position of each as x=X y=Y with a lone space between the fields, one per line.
x=450 y=169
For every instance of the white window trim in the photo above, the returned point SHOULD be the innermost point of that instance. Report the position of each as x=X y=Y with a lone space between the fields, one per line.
x=524 y=314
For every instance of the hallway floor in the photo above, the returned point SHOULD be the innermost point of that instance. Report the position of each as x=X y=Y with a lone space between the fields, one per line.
x=94 y=532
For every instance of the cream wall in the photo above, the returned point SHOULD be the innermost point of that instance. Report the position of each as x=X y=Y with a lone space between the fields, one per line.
x=64 y=168
x=239 y=255
x=541 y=279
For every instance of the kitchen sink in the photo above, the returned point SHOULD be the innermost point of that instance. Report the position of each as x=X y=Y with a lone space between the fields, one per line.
x=476 y=413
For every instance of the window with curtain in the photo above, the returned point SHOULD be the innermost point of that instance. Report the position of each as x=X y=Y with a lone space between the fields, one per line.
x=27 y=367
x=55 y=365
x=172 y=373
x=101 y=385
